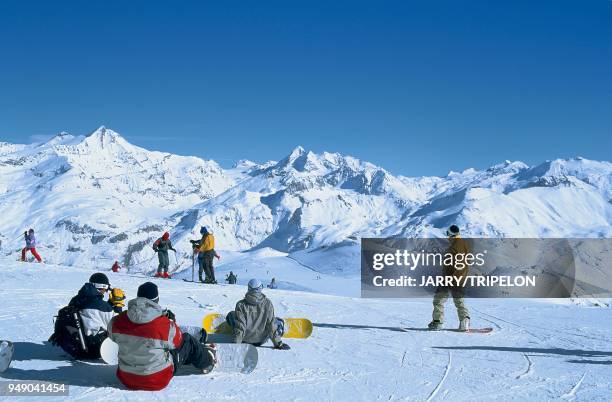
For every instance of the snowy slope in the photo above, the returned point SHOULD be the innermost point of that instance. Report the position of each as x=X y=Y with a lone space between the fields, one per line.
x=359 y=350
x=97 y=199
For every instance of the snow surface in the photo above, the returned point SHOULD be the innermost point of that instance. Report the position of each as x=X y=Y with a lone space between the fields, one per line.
x=360 y=348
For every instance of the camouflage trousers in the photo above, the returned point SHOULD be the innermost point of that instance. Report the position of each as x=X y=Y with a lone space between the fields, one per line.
x=440 y=298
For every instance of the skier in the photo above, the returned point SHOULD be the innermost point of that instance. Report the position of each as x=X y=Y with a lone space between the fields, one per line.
x=115 y=267
x=457 y=246
x=152 y=346
x=206 y=255
x=253 y=320
x=161 y=247
x=231 y=278
x=30 y=240
x=272 y=284
x=80 y=327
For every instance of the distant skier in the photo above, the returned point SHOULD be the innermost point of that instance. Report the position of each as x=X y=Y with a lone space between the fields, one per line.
x=30 y=241
x=161 y=247
x=457 y=246
x=231 y=278
x=253 y=320
x=151 y=344
x=272 y=284
x=115 y=267
x=206 y=255
x=80 y=328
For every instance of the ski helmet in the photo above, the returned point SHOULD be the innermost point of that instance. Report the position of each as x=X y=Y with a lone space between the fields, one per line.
x=203 y=230
x=99 y=280
x=255 y=285
x=166 y=236
x=452 y=231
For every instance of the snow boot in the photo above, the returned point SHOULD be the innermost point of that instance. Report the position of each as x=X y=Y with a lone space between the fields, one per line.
x=464 y=325
x=166 y=276
x=158 y=275
x=212 y=352
x=435 y=325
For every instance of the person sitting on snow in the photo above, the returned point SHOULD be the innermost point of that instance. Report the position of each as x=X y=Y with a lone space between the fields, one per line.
x=272 y=284
x=30 y=246
x=88 y=315
x=253 y=319
x=151 y=344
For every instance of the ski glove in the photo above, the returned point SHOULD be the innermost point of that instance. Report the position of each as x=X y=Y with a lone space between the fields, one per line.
x=282 y=346
x=170 y=315
x=117 y=298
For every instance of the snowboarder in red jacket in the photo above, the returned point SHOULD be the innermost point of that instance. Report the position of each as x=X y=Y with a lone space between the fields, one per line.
x=151 y=344
x=115 y=267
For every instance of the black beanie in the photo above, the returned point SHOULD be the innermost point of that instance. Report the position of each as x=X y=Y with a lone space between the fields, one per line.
x=99 y=279
x=148 y=290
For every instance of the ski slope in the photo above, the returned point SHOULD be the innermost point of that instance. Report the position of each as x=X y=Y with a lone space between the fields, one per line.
x=360 y=349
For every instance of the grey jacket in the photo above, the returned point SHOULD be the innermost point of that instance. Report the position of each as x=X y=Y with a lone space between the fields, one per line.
x=255 y=319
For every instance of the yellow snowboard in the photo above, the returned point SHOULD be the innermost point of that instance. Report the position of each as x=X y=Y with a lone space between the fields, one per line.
x=294 y=327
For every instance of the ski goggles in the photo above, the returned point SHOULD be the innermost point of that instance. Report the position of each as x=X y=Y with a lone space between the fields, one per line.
x=99 y=286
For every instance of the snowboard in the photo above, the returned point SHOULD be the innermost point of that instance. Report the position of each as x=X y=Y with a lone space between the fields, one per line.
x=470 y=331
x=6 y=355
x=300 y=328
x=231 y=357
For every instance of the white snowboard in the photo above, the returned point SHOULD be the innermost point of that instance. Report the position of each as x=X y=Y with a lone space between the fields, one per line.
x=109 y=351
x=230 y=357
x=6 y=355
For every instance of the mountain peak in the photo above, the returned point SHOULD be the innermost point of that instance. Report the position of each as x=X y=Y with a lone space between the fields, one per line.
x=103 y=137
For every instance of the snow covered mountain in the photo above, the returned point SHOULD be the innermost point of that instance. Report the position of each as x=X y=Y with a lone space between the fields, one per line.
x=98 y=198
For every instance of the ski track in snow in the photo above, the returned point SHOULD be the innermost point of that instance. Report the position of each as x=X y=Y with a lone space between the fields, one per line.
x=571 y=395
x=528 y=369
x=439 y=385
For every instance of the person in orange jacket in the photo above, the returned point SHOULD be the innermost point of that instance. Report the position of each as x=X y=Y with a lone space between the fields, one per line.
x=206 y=253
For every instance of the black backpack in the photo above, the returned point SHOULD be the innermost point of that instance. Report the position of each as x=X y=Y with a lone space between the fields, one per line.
x=68 y=332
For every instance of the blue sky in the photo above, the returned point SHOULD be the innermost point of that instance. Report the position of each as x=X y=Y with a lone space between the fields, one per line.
x=418 y=87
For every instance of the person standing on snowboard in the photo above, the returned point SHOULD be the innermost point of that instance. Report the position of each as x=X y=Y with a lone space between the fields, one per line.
x=161 y=247
x=253 y=320
x=457 y=246
x=151 y=344
x=206 y=254
x=30 y=241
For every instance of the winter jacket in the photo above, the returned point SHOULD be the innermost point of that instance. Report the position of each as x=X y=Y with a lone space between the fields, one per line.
x=94 y=311
x=30 y=240
x=457 y=246
x=207 y=243
x=162 y=245
x=145 y=337
x=254 y=319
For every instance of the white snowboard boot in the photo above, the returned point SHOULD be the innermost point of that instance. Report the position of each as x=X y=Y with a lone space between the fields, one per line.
x=464 y=325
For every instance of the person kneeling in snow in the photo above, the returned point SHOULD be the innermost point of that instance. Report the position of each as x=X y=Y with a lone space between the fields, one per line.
x=253 y=320
x=152 y=346
x=80 y=327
